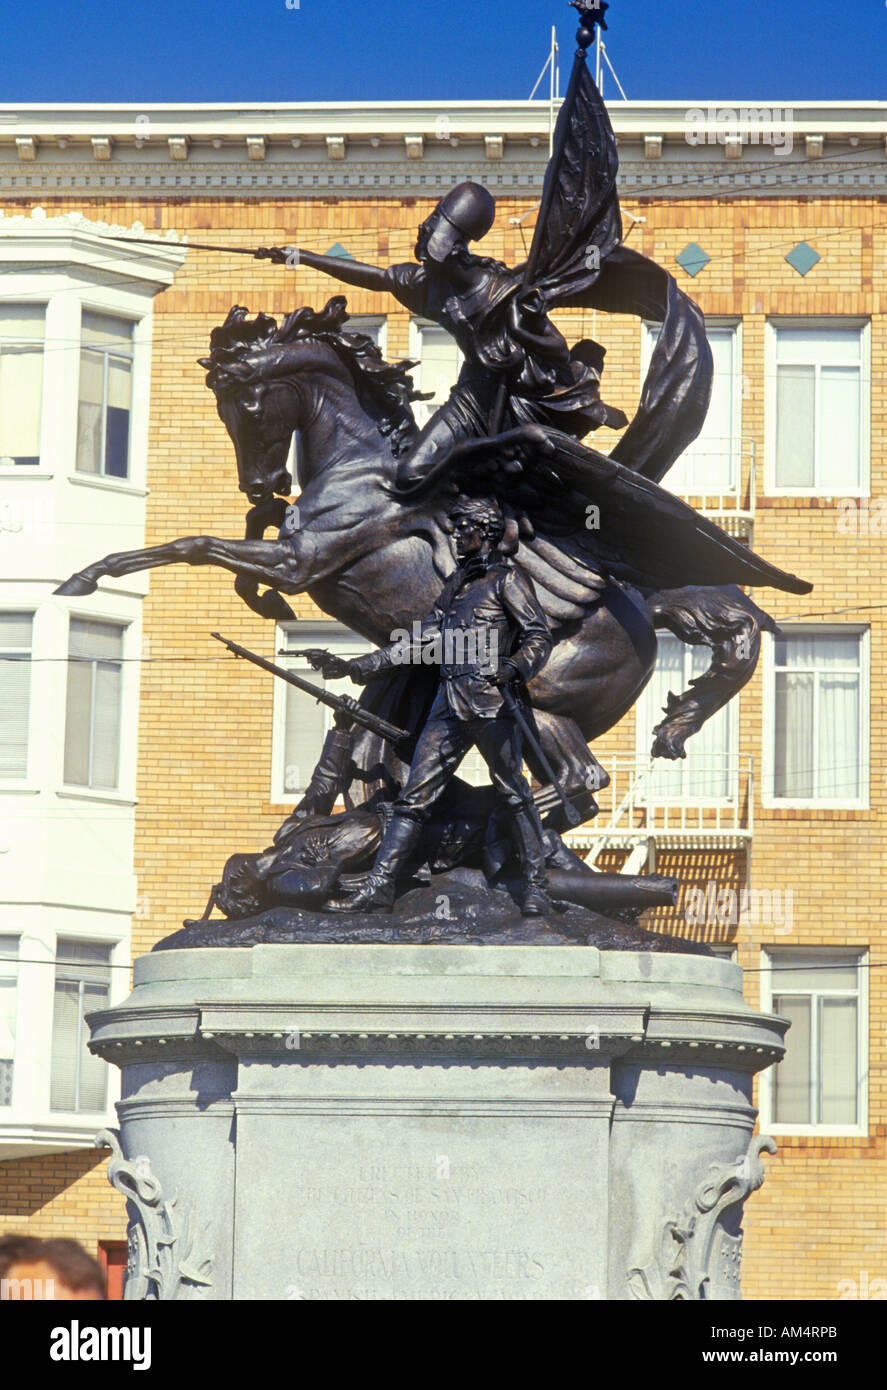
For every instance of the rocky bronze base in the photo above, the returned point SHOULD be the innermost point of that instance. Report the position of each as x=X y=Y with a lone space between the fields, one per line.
x=456 y=908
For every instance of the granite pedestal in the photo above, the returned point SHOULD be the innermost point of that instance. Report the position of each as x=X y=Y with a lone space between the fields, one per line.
x=435 y=1122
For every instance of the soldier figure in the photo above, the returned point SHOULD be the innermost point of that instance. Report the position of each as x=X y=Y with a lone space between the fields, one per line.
x=490 y=632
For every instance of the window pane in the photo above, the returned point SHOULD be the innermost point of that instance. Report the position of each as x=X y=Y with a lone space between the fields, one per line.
x=8 y=983
x=810 y=970
x=92 y=725
x=839 y=428
x=89 y=412
x=106 y=331
x=438 y=371
x=21 y=382
x=93 y=1071
x=793 y=773
x=18 y=321
x=838 y=770
x=106 y=725
x=791 y=1076
x=117 y=428
x=707 y=767
x=668 y=675
x=306 y=723
x=826 y=345
x=97 y=641
x=473 y=769
x=305 y=730
x=65 y=1045
x=809 y=651
x=83 y=960
x=80 y=966
x=707 y=465
x=78 y=723
x=818 y=714
x=838 y=1041
x=795 y=426
x=15 y=693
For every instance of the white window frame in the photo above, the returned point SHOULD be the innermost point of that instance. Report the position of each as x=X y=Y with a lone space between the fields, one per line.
x=79 y=1110
x=365 y=323
x=341 y=642
x=648 y=342
x=16 y=936
x=818 y=323
x=135 y=323
x=25 y=783
x=646 y=718
x=768 y=797
x=127 y=751
x=830 y=955
x=417 y=327
x=38 y=470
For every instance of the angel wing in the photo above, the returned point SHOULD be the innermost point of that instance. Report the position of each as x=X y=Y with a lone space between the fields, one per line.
x=646 y=535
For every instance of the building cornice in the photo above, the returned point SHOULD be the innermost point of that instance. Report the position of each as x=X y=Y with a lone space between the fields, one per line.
x=417 y=149
x=74 y=242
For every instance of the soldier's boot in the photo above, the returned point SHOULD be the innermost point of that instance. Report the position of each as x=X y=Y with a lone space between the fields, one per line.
x=526 y=832
x=398 y=843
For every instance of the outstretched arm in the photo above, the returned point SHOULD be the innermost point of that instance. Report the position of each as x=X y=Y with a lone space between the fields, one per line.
x=365 y=277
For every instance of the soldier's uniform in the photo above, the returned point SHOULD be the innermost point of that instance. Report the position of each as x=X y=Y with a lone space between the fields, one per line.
x=487 y=616
x=487 y=613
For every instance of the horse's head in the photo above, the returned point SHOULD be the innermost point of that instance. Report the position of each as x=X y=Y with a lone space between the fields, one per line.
x=267 y=378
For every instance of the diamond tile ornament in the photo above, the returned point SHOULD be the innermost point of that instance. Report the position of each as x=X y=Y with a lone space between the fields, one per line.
x=693 y=259
x=339 y=250
x=803 y=258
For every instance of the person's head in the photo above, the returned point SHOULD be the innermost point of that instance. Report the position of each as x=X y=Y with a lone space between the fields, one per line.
x=478 y=526
x=55 y=1270
x=466 y=214
x=242 y=891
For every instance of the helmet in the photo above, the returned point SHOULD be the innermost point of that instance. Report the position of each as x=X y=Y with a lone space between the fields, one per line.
x=466 y=213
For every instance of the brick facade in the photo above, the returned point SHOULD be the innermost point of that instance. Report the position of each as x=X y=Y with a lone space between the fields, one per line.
x=205 y=723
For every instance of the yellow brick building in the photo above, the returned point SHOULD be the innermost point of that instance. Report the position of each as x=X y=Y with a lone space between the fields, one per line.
x=776 y=830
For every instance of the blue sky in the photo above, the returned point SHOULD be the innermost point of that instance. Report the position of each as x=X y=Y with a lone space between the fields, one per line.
x=340 y=50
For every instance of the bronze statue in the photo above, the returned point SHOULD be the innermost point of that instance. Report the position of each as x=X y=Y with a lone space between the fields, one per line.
x=603 y=555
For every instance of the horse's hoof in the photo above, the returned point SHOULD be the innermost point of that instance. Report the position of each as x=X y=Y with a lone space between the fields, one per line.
x=76 y=587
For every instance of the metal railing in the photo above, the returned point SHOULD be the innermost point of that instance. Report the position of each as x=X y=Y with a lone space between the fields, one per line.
x=704 y=802
x=732 y=507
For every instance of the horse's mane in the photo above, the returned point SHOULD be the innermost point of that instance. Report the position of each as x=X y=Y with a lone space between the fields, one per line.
x=384 y=389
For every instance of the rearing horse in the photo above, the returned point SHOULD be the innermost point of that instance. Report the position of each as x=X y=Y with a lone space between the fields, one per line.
x=376 y=561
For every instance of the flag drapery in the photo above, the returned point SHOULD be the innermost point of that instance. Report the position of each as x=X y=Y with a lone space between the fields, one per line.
x=577 y=260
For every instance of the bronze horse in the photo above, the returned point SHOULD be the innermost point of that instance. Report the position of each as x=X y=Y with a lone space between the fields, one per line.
x=375 y=561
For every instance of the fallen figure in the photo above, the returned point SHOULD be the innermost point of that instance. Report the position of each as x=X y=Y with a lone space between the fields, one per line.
x=315 y=860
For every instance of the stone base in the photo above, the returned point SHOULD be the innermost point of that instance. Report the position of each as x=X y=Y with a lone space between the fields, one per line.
x=435 y=1122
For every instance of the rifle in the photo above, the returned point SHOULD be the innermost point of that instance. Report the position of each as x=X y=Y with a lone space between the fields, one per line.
x=341 y=703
